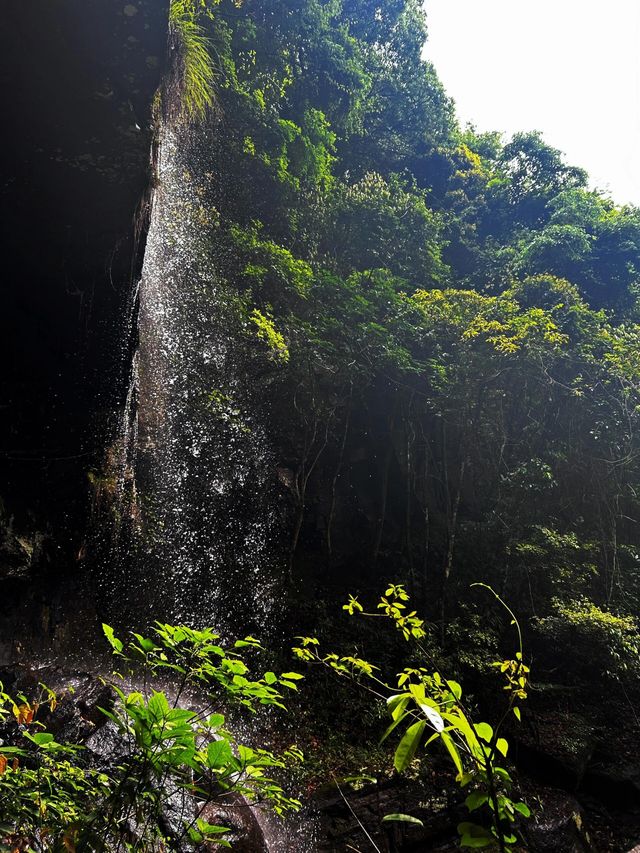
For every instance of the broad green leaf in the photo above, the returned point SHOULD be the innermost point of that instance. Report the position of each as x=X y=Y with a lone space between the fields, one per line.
x=397 y=704
x=145 y=644
x=474 y=835
x=40 y=738
x=452 y=749
x=459 y=722
x=502 y=746
x=218 y=754
x=417 y=691
x=472 y=841
x=455 y=688
x=408 y=745
x=158 y=706
x=210 y=829
x=502 y=773
x=484 y=731
x=402 y=818
x=475 y=800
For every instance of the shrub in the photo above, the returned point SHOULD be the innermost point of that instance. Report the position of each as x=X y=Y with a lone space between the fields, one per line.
x=52 y=797
x=596 y=641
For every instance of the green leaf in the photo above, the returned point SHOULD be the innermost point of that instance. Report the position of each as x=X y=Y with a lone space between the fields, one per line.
x=502 y=774
x=474 y=835
x=475 y=800
x=158 y=706
x=408 y=745
x=248 y=641
x=460 y=723
x=210 y=829
x=502 y=746
x=484 y=731
x=516 y=713
x=402 y=818
x=362 y=778
x=452 y=749
x=472 y=841
x=397 y=703
x=144 y=643
x=417 y=691
x=523 y=808
x=114 y=642
x=41 y=738
x=218 y=754
x=455 y=688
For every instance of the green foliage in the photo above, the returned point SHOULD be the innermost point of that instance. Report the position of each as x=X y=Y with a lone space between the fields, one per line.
x=447 y=331
x=600 y=643
x=381 y=223
x=269 y=269
x=426 y=707
x=196 y=68
x=53 y=797
x=267 y=332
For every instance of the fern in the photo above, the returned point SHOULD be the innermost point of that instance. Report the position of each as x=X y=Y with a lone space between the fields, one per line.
x=196 y=74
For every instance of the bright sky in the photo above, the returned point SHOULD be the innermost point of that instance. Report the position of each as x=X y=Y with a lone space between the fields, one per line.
x=569 y=68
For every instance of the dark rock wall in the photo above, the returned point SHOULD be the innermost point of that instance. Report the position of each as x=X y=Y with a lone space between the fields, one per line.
x=78 y=79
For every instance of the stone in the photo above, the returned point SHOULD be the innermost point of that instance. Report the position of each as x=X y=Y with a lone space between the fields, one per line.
x=558 y=824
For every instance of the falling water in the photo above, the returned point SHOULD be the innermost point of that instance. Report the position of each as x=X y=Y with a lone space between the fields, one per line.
x=195 y=476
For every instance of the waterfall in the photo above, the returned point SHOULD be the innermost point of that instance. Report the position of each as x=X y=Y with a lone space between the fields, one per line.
x=197 y=532
x=194 y=475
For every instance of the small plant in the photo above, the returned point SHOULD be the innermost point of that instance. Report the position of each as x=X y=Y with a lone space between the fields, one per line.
x=196 y=71
x=428 y=707
x=52 y=798
x=273 y=339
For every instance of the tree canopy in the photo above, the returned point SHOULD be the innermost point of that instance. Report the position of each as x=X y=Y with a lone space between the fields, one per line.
x=460 y=392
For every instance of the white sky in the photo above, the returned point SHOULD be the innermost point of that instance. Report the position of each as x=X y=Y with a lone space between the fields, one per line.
x=569 y=68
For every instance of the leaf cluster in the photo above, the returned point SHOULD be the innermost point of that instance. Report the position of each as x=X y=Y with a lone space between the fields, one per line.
x=172 y=746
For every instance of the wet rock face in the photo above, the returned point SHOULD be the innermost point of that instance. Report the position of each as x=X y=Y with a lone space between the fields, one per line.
x=45 y=603
x=246 y=835
x=78 y=78
x=558 y=825
x=18 y=551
